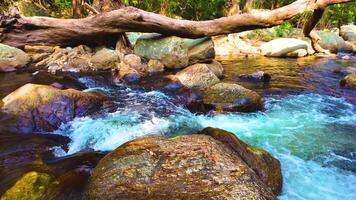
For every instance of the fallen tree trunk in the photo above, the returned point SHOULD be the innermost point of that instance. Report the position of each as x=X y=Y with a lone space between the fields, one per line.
x=19 y=31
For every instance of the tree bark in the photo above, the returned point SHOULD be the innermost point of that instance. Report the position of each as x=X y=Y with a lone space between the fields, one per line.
x=233 y=7
x=248 y=6
x=123 y=44
x=19 y=31
x=275 y=4
x=318 y=12
x=77 y=10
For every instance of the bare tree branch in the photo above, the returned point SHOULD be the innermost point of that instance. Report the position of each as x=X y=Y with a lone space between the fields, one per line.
x=51 y=31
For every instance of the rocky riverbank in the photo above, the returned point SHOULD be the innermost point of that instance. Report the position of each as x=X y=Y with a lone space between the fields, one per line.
x=210 y=163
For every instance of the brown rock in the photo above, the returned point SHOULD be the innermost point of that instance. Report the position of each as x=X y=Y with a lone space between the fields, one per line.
x=134 y=62
x=12 y=58
x=105 y=59
x=349 y=81
x=44 y=108
x=155 y=66
x=128 y=74
x=231 y=97
x=200 y=75
x=265 y=166
x=185 y=167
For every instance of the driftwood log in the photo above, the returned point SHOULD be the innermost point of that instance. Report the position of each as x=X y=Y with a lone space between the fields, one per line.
x=18 y=31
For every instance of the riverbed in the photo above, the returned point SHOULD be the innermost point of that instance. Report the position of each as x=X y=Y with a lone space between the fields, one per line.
x=309 y=121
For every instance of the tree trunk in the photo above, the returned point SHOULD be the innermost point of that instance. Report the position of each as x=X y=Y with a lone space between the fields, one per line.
x=308 y=30
x=123 y=44
x=77 y=10
x=233 y=8
x=248 y=6
x=275 y=4
x=18 y=31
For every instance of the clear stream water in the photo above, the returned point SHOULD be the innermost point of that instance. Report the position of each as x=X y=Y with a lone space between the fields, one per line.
x=309 y=123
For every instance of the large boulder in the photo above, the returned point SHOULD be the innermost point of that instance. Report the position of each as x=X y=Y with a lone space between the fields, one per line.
x=286 y=47
x=231 y=97
x=349 y=81
x=200 y=75
x=34 y=107
x=174 y=52
x=196 y=166
x=12 y=58
x=333 y=42
x=348 y=32
x=233 y=45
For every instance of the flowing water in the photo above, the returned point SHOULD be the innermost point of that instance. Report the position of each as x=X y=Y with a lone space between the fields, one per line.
x=309 y=123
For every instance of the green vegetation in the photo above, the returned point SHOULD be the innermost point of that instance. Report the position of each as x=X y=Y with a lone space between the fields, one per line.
x=187 y=9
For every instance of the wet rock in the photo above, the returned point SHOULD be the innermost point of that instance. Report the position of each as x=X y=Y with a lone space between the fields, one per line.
x=286 y=47
x=62 y=59
x=345 y=70
x=155 y=66
x=105 y=59
x=349 y=81
x=258 y=76
x=21 y=154
x=348 y=32
x=134 y=62
x=200 y=75
x=34 y=107
x=58 y=86
x=333 y=42
x=173 y=52
x=264 y=165
x=12 y=58
x=231 y=97
x=128 y=74
x=186 y=167
x=31 y=186
x=200 y=50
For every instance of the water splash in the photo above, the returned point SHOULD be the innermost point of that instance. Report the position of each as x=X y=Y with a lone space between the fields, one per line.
x=300 y=130
x=305 y=132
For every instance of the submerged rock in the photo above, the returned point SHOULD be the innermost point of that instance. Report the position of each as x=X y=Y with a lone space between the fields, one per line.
x=231 y=97
x=12 y=58
x=333 y=42
x=174 y=52
x=186 y=167
x=34 y=107
x=31 y=186
x=258 y=76
x=349 y=81
x=200 y=75
x=286 y=47
x=127 y=73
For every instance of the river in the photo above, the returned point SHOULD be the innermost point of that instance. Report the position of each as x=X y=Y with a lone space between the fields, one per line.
x=309 y=122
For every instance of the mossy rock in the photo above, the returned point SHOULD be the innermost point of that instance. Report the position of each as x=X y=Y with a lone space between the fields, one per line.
x=349 y=81
x=333 y=42
x=174 y=52
x=231 y=97
x=32 y=186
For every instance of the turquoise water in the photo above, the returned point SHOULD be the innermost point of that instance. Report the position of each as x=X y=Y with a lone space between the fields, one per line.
x=312 y=135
